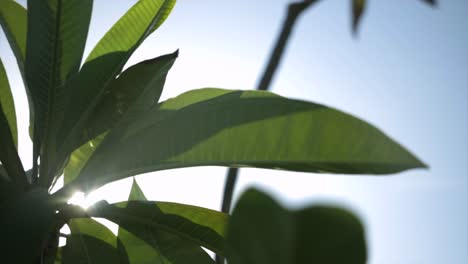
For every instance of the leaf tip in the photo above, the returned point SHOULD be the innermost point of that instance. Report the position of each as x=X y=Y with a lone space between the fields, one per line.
x=358 y=8
x=432 y=3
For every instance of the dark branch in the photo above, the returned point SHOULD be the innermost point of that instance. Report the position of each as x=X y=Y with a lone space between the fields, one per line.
x=293 y=12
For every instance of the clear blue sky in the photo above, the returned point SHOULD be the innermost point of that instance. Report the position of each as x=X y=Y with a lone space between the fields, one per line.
x=407 y=73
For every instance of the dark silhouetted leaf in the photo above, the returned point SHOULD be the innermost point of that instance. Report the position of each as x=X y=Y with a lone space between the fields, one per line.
x=8 y=190
x=431 y=2
x=260 y=231
x=8 y=154
x=7 y=103
x=357 y=12
x=91 y=242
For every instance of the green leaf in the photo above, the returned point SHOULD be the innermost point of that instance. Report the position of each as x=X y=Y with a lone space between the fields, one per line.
x=146 y=244
x=138 y=250
x=261 y=231
x=215 y=220
x=91 y=242
x=145 y=220
x=104 y=63
x=244 y=128
x=9 y=155
x=7 y=103
x=136 y=194
x=57 y=31
x=136 y=90
x=29 y=222
x=131 y=30
x=13 y=19
x=357 y=11
x=79 y=157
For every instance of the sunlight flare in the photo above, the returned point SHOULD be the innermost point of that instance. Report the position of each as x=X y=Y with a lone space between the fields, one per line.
x=79 y=199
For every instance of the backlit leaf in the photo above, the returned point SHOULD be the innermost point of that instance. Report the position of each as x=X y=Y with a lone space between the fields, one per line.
x=244 y=129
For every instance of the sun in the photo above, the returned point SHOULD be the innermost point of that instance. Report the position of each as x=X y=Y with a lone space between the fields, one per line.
x=79 y=199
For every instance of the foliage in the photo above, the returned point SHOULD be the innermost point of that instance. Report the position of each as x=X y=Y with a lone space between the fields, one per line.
x=95 y=124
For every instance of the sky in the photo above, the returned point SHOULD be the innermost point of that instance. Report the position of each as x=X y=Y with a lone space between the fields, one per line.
x=406 y=72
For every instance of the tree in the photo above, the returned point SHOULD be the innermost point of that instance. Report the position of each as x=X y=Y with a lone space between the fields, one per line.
x=96 y=123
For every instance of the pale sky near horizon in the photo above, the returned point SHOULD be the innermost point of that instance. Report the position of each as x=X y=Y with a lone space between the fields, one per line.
x=406 y=73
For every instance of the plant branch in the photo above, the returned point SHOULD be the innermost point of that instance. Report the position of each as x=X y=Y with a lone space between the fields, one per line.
x=293 y=11
x=229 y=189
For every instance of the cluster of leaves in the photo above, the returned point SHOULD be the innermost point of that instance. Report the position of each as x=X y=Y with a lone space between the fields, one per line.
x=94 y=123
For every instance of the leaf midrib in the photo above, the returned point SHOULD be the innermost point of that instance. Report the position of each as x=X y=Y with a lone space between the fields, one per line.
x=53 y=85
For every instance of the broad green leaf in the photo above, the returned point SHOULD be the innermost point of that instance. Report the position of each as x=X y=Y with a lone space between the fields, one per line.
x=105 y=62
x=198 y=215
x=136 y=90
x=358 y=8
x=8 y=154
x=151 y=245
x=57 y=31
x=244 y=128
x=260 y=231
x=132 y=28
x=148 y=245
x=29 y=222
x=79 y=157
x=138 y=250
x=145 y=219
x=7 y=103
x=13 y=19
x=91 y=242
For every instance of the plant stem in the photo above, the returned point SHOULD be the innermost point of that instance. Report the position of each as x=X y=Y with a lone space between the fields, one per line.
x=229 y=189
x=293 y=12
